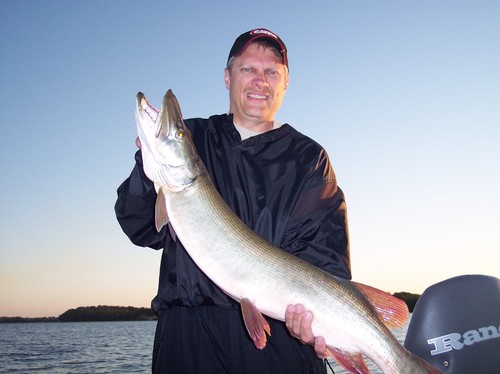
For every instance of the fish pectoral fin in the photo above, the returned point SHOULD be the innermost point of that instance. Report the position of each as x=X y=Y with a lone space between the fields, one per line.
x=352 y=362
x=255 y=323
x=393 y=312
x=161 y=215
x=172 y=232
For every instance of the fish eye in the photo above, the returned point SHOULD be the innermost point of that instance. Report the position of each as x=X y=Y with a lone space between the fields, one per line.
x=180 y=134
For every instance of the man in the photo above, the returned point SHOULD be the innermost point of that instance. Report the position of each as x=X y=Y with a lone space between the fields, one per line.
x=281 y=184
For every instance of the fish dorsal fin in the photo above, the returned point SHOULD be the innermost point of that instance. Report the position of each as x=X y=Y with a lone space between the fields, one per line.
x=161 y=215
x=255 y=323
x=393 y=312
x=352 y=362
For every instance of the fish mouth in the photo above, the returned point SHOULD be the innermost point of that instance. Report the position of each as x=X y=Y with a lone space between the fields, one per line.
x=146 y=106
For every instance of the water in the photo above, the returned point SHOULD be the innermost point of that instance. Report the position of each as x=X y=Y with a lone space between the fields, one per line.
x=88 y=347
x=76 y=347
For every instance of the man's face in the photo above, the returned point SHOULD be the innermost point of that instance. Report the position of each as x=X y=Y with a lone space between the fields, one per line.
x=257 y=84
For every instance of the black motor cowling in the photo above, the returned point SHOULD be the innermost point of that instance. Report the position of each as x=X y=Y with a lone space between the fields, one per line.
x=455 y=325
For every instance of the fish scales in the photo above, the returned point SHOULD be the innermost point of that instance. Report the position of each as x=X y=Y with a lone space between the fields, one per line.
x=296 y=279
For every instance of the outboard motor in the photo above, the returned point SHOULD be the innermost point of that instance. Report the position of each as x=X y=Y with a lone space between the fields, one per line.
x=456 y=325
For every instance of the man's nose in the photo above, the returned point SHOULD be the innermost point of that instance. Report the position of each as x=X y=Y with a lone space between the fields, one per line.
x=260 y=79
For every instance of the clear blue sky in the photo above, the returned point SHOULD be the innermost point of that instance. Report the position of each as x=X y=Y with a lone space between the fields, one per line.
x=404 y=96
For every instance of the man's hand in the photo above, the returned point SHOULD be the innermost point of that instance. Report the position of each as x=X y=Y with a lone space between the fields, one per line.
x=298 y=320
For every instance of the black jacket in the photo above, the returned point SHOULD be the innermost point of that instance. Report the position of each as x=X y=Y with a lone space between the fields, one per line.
x=280 y=183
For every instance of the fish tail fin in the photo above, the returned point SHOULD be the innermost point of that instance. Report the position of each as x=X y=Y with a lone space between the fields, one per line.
x=351 y=361
x=393 y=312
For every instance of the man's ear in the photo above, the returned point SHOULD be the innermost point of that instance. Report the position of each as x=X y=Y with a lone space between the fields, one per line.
x=287 y=81
x=227 y=78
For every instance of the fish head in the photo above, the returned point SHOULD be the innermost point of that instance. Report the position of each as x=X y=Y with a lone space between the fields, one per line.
x=169 y=156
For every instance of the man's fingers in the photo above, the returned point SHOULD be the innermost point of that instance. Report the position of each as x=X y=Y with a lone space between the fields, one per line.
x=298 y=311
x=290 y=310
x=306 y=334
x=299 y=322
x=320 y=347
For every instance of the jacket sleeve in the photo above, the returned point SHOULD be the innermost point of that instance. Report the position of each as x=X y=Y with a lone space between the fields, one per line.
x=135 y=208
x=318 y=230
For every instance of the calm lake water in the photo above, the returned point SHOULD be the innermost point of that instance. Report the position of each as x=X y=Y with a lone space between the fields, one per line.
x=86 y=347
x=76 y=347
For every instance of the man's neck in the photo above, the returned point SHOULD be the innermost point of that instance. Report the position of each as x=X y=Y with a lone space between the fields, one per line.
x=255 y=126
x=246 y=133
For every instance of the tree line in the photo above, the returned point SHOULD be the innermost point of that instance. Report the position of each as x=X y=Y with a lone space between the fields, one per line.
x=103 y=313
x=98 y=313
x=107 y=313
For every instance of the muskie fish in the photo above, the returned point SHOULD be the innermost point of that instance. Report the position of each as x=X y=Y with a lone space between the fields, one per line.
x=264 y=279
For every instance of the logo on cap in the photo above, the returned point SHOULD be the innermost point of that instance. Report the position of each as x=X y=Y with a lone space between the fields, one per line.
x=263 y=31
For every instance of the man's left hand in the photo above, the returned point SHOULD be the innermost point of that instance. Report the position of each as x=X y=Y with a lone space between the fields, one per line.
x=298 y=320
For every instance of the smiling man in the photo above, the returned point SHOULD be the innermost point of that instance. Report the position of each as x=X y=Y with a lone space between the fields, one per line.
x=282 y=185
x=257 y=80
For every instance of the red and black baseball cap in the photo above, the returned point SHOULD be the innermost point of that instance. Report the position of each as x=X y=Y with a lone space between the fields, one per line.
x=246 y=38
